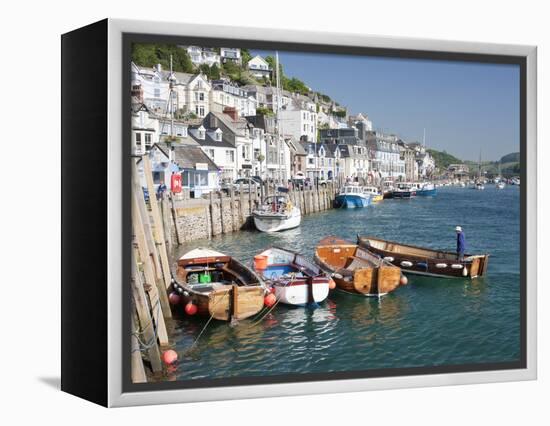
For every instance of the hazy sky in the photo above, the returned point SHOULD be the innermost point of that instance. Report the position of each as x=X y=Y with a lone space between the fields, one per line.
x=463 y=106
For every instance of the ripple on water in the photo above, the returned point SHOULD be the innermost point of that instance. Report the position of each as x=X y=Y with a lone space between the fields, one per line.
x=429 y=322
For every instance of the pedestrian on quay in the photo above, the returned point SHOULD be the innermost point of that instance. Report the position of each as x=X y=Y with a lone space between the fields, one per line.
x=460 y=244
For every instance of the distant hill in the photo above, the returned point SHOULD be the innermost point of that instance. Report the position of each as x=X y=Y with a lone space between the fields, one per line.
x=510 y=158
x=443 y=159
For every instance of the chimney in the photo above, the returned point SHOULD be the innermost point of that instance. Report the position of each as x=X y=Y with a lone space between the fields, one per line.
x=232 y=112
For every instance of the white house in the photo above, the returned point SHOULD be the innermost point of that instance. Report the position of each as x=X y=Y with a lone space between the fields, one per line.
x=145 y=129
x=203 y=55
x=387 y=160
x=222 y=152
x=224 y=95
x=259 y=67
x=230 y=54
x=299 y=119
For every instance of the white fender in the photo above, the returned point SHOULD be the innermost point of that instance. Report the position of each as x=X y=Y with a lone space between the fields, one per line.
x=457 y=266
x=337 y=276
x=389 y=259
x=465 y=272
x=406 y=264
x=440 y=265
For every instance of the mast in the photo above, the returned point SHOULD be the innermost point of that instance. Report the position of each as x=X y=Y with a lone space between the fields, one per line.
x=171 y=100
x=278 y=118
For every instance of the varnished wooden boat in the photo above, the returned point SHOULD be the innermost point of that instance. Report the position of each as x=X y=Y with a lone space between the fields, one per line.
x=354 y=269
x=220 y=286
x=424 y=261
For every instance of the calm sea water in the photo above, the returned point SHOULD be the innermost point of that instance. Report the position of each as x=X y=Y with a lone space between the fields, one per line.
x=427 y=323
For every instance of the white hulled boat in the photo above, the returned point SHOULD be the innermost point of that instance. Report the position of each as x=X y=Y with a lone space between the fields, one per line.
x=276 y=213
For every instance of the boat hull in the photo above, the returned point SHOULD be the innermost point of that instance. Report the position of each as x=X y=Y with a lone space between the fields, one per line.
x=403 y=194
x=276 y=223
x=427 y=192
x=351 y=201
x=294 y=279
x=355 y=270
x=421 y=261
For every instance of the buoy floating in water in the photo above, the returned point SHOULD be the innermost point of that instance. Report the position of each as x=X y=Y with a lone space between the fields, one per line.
x=169 y=357
x=331 y=284
x=465 y=272
x=191 y=308
x=174 y=298
x=270 y=300
x=403 y=280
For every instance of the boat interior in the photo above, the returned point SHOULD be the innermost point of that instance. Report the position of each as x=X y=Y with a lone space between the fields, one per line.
x=408 y=250
x=206 y=277
x=350 y=257
x=282 y=262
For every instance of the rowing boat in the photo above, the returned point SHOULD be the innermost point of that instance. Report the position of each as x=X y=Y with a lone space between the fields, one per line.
x=294 y=279
x=425 y=261
x=218 y=285
x=354 y=269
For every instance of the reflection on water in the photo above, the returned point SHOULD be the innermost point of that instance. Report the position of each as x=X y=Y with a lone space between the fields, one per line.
x=431 y=321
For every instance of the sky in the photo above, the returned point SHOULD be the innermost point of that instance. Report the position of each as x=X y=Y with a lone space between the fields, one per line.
x=463 y=106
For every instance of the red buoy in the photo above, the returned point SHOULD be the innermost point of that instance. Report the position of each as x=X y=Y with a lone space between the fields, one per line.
x=174 y=298
x=169 y=357
x=270 y=300
x=191 y=309
x=404 y=280
x=331 y=284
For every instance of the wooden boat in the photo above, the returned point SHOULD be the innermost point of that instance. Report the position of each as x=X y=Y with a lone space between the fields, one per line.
x=277 y=213
x=294 y=279
x=424 y=261
x=219 y=285
x=354 y=269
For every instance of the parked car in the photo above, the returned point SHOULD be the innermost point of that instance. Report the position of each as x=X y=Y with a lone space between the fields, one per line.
x=247 y=182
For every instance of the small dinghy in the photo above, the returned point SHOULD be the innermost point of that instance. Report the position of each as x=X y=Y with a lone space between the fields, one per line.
x=218 y=285
x=424 y=261
x=355 y=270
x=294 y=279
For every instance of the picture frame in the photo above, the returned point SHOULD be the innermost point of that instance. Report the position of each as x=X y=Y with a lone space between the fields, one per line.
x=96 y=225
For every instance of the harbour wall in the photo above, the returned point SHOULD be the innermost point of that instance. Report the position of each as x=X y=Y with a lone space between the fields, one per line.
x=221 y=213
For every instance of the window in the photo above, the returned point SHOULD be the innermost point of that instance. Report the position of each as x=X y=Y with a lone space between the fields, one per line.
x=185 y=179
x=310 y=161
x=138 y=138
x=148 y=140
x=230 y=156
x=305 y=127
x=158 y=178
x=210 y=153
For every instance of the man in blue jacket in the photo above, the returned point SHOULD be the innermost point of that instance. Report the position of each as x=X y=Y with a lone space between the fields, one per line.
x=460 y=244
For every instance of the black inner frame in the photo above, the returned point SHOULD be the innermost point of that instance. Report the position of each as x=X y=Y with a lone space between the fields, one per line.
x=130 y=38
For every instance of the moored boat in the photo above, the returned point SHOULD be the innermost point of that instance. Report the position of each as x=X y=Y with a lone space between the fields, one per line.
x=375 y=194
x=276 y=213
x=426 y=189
x=354 y=269
x=404 y=190
x=218 y=285
x=387 y=189
x=425 y=261
x=295 y=280
x=352 y=196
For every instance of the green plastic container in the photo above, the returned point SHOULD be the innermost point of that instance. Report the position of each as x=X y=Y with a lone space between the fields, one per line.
x=205 y=278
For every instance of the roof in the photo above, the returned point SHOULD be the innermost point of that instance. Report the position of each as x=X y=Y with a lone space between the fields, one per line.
x=236 y=126
x=209 y=140
x=186 y=157
x=181 y=77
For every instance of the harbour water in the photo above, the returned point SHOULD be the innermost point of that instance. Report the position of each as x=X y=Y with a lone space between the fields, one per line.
x=430 y=322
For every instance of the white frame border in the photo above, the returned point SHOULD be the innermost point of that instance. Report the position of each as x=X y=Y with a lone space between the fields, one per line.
x=114 y=215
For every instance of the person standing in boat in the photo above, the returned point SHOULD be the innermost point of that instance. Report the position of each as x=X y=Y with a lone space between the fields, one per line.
x=460 y=243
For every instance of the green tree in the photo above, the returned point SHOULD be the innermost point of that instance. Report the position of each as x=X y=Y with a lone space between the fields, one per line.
x=215 y=72
x=150 y=54
x=245 y=56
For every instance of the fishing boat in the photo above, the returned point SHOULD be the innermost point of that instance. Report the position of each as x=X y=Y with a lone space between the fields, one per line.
x=375 y=195
x=500 y=185
x=356 y=270
x=426 y=189
x=404 y=190
x=352 y=196
x=295 y=280
x=479 y=186
x=218 y=285
x=387 y=188
x=425 y=261
x=276 y=213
